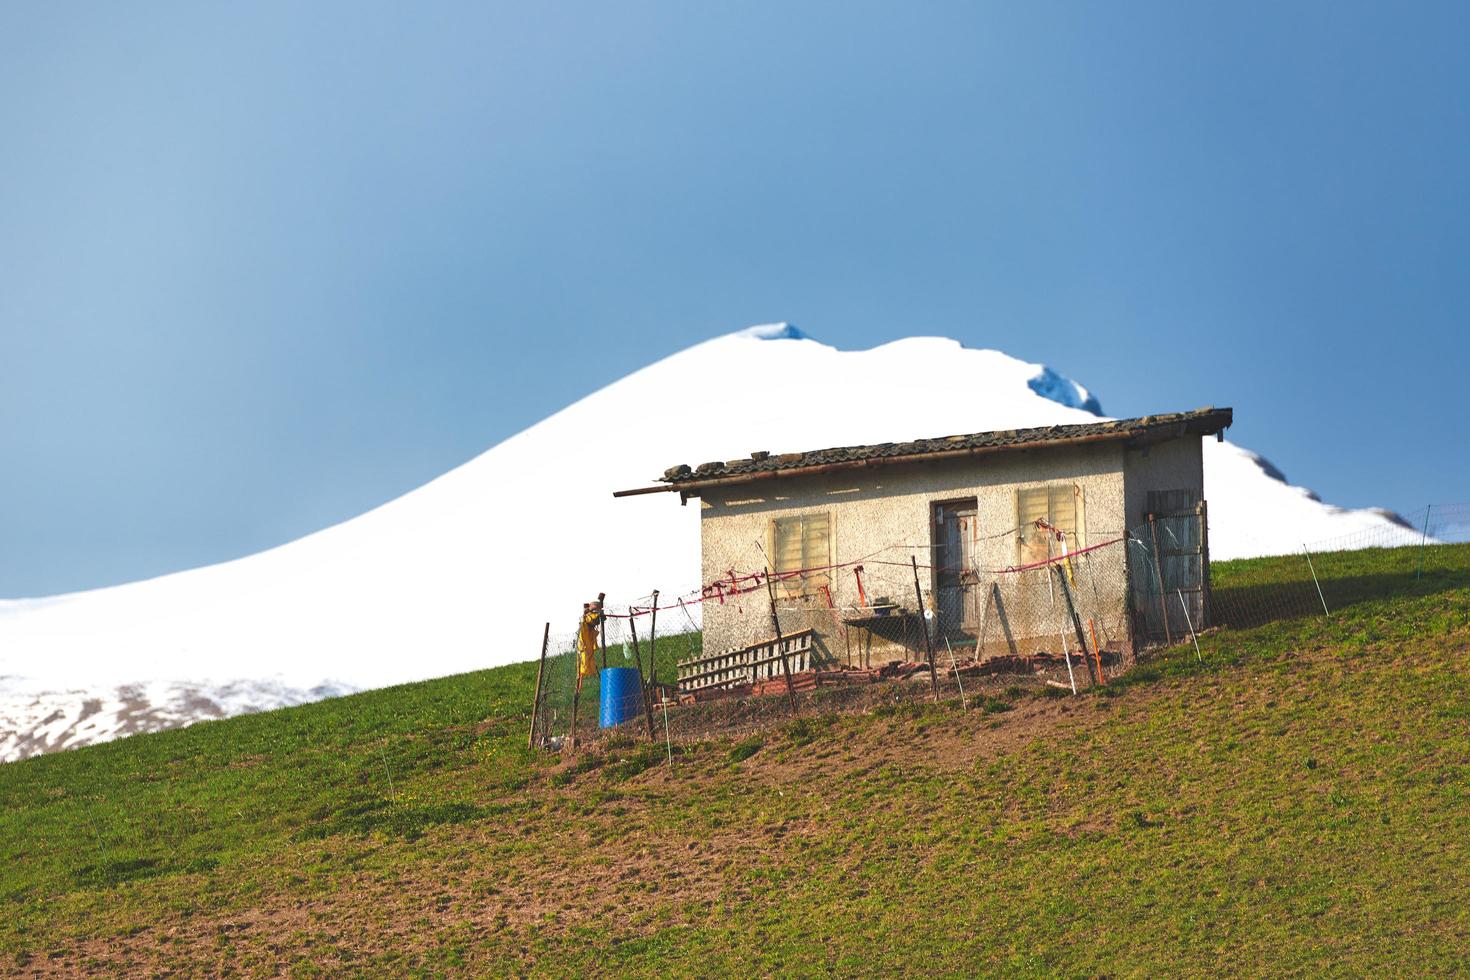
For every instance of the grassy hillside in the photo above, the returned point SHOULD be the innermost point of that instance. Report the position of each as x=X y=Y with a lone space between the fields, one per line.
x=1298 y=802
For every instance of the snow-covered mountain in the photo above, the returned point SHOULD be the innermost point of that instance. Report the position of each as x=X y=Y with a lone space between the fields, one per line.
x=461 y=573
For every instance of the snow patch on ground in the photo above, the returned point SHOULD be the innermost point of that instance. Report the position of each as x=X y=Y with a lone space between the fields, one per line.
x=40 y=718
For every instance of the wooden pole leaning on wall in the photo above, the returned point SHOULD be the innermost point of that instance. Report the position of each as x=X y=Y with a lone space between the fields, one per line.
x=924 y=625
x=1076 y=622
x=780 y=643
x=540 y=674
x=642 y=684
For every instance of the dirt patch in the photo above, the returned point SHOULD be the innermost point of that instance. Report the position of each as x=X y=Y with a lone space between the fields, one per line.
x=600 y=842
x=949 y=739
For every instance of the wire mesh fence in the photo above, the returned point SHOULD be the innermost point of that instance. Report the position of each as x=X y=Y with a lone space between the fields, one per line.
x=1331 y=574
x=923 y=627
x=1063 y=624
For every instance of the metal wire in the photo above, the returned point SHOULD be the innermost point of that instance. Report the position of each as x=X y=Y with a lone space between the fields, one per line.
x=1097 y=611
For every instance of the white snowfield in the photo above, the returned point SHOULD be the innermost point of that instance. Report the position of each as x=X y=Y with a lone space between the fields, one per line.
x=461 y=573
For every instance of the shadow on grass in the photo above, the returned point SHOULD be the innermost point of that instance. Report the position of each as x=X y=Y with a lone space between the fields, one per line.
x=106 y=874
x=1246 y=606
x=364 y=814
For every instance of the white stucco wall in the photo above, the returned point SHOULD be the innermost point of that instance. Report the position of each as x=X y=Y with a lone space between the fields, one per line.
x=881 y=509
x=1174 y=465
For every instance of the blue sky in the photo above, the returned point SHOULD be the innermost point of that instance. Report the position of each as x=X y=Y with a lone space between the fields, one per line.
x=263 y=267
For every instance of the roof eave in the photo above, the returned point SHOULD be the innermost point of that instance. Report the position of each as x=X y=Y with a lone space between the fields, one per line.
x=1205 y=425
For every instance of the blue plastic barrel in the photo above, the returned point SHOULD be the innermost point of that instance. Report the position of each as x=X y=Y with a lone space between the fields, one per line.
x=622 y=696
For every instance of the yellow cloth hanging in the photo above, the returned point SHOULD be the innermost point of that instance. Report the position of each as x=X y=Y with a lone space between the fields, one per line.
x=587 y=643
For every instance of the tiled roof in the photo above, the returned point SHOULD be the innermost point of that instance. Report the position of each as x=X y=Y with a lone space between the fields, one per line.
x=1150 y=428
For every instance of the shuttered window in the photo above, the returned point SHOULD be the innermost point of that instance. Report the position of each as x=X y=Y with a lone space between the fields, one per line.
x=1059 y=505
x=802 y=542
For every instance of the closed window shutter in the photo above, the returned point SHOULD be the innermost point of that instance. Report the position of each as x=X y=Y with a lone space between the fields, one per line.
x=788 y=544
x=1064 y=511
x=1058 y=505
x=803 y=542
x=1033 y=504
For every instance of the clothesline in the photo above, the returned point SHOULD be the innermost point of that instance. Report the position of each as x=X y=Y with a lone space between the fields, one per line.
x=736 y=585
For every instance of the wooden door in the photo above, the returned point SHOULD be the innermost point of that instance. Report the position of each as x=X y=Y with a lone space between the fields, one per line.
x=954 y=564
x=1171 y=590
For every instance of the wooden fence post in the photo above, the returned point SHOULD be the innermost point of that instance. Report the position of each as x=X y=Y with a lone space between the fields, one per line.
x=780 y=645
x=1096 y=650
x=1135 y=640
x=536 y=701
x=576 y=698
x=638 y=659
x=652 y=681
x=602 y=624
x=924 y=625
x=1076 y=621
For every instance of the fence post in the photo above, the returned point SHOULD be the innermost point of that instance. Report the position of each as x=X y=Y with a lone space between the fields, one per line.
x=1067 y=656
x=1318 y=584
x=1096 y=650
x=954 y=666
x=652 y=681
x=1135 y=637
x=653 y=639
x=1076 y=621
x=984 y=622
x=576 y=693
x=536 y=701
x=638 y=659
x=924 y=625
x=602 y=625
x=780 y=644
x=1190 y=624
x=1423 y=538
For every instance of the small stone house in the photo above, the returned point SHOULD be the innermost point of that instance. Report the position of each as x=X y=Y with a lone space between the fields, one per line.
x=843 y=532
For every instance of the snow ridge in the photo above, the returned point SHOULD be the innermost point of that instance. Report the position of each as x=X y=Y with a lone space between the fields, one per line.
x=772 y=331
x=461 y=573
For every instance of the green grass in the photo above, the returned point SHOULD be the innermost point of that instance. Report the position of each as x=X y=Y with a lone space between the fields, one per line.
x=1297 y=803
